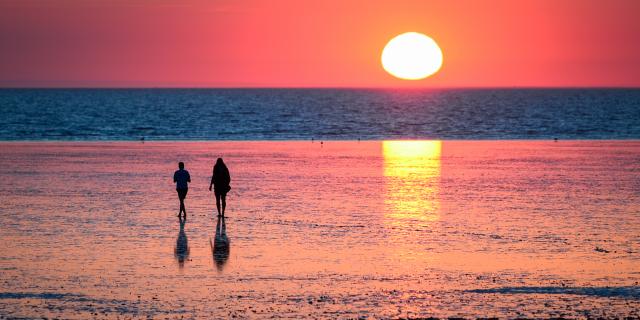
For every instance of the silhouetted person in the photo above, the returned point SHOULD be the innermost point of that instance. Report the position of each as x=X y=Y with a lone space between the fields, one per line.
x=182 y=178
x=220 y=181
x=220 y=246
x=182 y=246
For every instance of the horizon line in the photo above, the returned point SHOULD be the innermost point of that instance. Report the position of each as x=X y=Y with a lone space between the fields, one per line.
x=312 y=87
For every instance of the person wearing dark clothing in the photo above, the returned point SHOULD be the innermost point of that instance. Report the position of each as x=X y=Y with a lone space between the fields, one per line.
x=182 y=178
x=220 y=181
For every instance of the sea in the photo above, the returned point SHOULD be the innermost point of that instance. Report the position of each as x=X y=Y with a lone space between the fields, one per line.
x=322 y=114
x=344 y=204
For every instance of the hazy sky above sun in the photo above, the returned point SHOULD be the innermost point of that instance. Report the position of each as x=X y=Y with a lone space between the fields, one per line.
x=329 y=43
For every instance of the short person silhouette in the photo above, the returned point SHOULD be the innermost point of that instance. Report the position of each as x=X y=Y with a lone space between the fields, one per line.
x=181 y=178
x=220 y=181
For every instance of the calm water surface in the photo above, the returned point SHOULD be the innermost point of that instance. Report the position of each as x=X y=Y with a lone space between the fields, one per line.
x=327 y=114
x=343 y=229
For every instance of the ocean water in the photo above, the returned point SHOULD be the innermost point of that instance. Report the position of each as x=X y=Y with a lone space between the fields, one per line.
x=343 y=229
x=327 y=114
x=405 y=223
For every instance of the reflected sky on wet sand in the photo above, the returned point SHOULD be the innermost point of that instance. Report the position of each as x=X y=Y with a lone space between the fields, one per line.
x=342 y=229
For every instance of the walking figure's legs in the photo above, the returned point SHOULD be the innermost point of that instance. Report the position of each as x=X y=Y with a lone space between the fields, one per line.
x=218 y=203
x=224 y=202
x=182 y=194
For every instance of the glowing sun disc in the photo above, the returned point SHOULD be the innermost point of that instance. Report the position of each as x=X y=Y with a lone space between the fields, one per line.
x=411 y=56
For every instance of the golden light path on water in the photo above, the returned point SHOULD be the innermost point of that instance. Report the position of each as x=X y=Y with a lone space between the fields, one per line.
x=412 y=177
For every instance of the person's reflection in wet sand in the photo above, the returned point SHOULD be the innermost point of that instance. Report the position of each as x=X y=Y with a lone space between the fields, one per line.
x=220 y=246
x=182 y=246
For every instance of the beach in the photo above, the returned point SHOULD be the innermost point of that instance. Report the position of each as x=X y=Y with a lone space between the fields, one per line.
x=332 y=229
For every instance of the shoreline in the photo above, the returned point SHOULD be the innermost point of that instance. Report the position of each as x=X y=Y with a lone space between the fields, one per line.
x=313 y=141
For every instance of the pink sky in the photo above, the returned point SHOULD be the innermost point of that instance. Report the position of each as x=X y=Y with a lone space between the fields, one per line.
x=298 y=43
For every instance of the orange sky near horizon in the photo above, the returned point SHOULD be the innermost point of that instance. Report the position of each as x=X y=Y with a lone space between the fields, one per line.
x=332 y=43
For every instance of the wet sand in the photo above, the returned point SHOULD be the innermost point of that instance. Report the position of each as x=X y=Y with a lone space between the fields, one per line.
x=339 y=230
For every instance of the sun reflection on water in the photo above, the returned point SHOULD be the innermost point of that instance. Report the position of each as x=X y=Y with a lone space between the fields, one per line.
x=412 y=176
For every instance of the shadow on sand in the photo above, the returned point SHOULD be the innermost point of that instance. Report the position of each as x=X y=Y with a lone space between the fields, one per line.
x=220 y=245
x=182 y=246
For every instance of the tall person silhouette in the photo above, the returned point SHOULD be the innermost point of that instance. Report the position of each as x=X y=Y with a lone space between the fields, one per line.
x=181 y=177
x=220 y=180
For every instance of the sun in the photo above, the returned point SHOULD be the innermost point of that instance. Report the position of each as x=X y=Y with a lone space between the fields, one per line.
x=411 y=56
